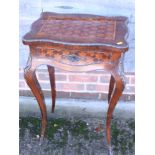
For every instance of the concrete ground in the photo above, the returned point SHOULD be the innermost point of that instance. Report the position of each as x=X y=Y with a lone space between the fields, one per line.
x=76 y=128
x=76 y=107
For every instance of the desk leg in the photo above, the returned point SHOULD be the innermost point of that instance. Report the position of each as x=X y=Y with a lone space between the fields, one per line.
x=112 y=103
x=111 y=87
x=52 y=82
x=33 y=83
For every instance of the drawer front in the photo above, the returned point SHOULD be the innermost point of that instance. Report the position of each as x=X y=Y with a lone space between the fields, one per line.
x=77 y=57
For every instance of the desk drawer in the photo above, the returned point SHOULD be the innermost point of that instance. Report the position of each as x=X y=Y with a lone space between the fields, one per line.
x=77 y=57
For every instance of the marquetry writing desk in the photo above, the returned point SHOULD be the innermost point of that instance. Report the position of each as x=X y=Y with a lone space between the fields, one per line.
x=77 y=42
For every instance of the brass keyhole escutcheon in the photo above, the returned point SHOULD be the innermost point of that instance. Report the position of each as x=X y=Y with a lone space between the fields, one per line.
x=73 y=58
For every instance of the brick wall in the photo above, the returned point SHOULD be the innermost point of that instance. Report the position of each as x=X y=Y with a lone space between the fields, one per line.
x=90 y=85
x=93 y=85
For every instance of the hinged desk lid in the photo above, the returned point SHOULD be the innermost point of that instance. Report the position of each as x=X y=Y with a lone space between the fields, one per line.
x=79 y=29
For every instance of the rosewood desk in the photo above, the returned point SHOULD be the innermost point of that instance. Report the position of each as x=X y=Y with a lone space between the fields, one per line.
x=77 y=42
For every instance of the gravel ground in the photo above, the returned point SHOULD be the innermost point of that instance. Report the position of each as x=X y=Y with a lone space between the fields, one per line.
x=75 y=136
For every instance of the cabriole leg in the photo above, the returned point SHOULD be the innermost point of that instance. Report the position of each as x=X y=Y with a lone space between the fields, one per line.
x=111 y=87
x=119 y=86
x=31 y=79
x=52 y=83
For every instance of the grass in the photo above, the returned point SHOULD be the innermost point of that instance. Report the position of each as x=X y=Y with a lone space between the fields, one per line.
x=58 y=130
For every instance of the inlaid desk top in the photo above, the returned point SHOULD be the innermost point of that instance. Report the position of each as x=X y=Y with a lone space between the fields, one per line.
x=79 y=29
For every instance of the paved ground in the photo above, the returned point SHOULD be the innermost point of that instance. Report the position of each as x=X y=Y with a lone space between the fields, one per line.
x=76 y=107
x=75 y=130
